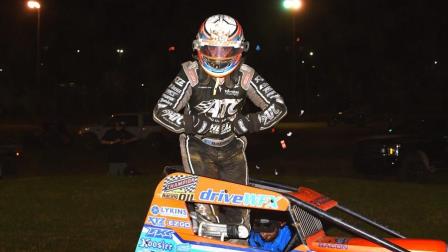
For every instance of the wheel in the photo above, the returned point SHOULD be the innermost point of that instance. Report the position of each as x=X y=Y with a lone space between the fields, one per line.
x=415 y=166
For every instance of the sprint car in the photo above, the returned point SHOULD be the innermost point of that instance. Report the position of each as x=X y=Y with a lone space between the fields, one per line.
x=168 y=225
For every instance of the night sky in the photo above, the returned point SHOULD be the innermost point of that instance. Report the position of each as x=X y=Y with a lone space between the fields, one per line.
x=382 y=56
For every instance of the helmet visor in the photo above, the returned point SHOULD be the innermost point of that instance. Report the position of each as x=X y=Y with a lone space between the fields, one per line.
x=220 y=52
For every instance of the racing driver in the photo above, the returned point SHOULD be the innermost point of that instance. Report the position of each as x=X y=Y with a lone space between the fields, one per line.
x=211 y=90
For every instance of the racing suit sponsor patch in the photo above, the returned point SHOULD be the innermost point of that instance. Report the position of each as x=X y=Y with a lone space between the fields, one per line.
x=218 y=108
x=172 y=116
x=269 y=116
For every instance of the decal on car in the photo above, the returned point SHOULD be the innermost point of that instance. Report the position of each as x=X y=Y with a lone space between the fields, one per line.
x=246 y=199
x=180 y=187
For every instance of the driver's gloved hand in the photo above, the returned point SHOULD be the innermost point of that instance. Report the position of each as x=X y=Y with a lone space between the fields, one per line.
x=196 y=124
x=244 y=124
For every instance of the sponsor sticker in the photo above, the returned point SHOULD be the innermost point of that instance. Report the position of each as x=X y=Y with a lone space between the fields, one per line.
x=232 y=92
x=180 y=183
x=169 y=211
x=156 y=221
x=178 y=224
x=334 y=243
x=180 y=187
x=159 y=233
x=246 y=199
x=178 y=196
x=156 y=239
x=155 y=245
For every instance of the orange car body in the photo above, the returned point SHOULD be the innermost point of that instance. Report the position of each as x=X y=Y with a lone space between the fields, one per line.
x=168 y=226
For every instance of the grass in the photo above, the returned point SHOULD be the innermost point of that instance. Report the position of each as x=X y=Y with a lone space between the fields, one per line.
x=415 y=210
x=101 y=213
x=78 y=213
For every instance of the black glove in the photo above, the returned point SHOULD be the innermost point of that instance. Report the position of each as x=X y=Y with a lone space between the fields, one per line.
x=245 y=124
x=196 y=124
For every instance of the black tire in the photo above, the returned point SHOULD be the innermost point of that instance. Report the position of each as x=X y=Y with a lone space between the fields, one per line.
x=414 y=167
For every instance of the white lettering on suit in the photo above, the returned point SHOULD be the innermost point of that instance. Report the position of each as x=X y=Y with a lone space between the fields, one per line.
x=172 y=116
x=179 y=81
x=218 y=108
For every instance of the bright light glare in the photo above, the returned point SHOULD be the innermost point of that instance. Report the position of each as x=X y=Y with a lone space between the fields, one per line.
x=391 y=151
x=311 y=53
x=33 y=4
x=292 y=4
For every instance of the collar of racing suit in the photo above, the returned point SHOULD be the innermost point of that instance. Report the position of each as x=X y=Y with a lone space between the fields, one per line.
x=230 y=79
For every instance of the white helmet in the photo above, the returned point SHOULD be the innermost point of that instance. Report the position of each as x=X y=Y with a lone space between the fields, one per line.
x=220 y=44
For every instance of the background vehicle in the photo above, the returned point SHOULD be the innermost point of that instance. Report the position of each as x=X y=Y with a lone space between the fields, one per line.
x=139 y=124
x=412 y=150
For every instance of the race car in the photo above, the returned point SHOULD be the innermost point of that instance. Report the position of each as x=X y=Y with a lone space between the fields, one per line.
x=170 y=226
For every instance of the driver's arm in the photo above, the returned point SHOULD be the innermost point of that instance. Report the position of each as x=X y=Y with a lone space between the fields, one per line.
x=166 y=111
x=272 y=105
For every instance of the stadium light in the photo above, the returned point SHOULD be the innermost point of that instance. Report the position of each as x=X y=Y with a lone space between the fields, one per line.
x=33 y=4
x=292 y=4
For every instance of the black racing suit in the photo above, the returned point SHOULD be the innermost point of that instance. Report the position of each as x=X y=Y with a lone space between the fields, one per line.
x=211 y=125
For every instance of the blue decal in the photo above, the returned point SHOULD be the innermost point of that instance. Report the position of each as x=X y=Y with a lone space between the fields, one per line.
x=155 y=209
x=159 y=233
x=169 y=211
x=160 y=245
x=185 y=247
x=151 y=240
x=154 y=239
x=157 y=221
x=246 y=199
